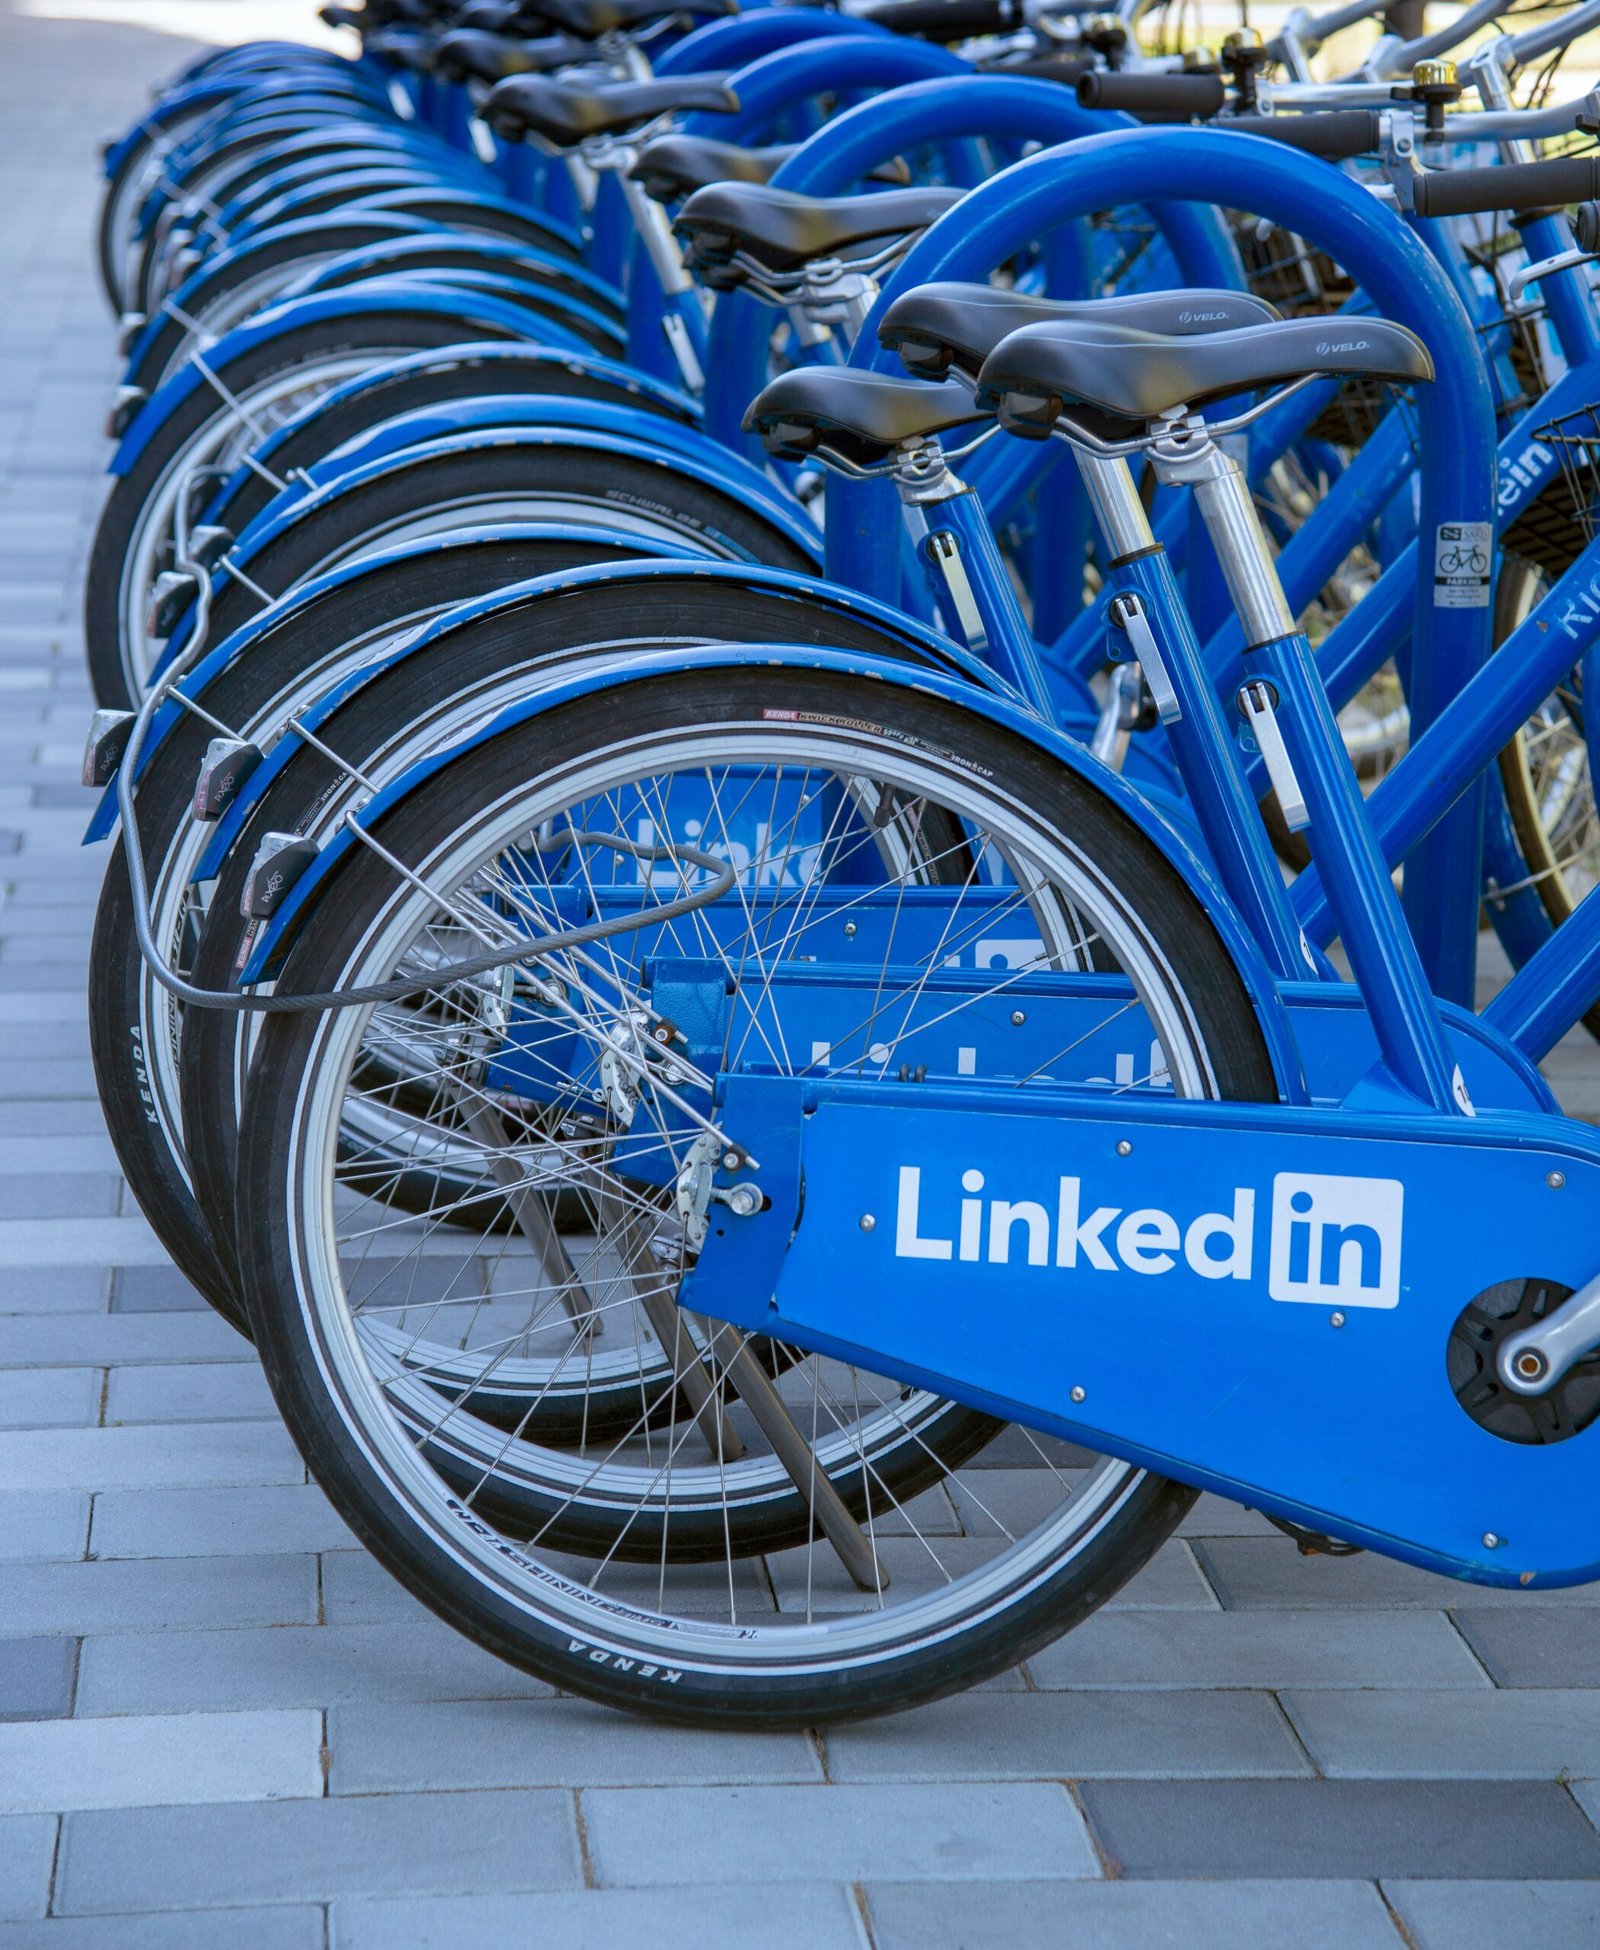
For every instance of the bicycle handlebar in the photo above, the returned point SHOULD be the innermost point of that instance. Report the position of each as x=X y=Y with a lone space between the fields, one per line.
x=1509 y=186
x=1337 y=135
x=1516 y=50
x=945 y=21
x=1180 y=95
x=1398 y=58
x=1312 y=32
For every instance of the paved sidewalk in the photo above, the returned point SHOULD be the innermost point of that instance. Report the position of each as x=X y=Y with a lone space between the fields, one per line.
x=221 y=1726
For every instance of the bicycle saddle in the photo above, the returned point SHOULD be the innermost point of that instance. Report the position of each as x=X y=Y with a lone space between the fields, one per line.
x=940 y=326
x=782 y=229
x=589 y=19
x=862 y=415
x=673 y=167
x=1112 y=380
x=565 y=114
x=472 y=54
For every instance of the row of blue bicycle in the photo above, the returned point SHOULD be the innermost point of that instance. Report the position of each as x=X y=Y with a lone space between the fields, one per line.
x=813 y=712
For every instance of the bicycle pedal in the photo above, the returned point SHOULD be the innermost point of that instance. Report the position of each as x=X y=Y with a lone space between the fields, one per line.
x=1314 y=1543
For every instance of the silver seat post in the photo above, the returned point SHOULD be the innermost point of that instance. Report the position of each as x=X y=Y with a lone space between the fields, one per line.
x=1187 y=456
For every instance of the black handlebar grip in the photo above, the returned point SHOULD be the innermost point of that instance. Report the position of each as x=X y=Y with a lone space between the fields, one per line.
x=1336 y=136
x=945 y=20
x=1511 y=186
x=1587 y=227
x=1180 y=96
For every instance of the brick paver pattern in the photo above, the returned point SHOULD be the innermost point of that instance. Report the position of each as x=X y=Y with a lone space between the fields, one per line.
x=222 y=1725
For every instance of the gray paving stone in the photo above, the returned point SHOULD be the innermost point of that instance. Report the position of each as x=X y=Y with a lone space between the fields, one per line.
x=27 y=1850
x=155 y=1290
x=50 y=1290
x=45 y=1076
x=357 y=1590
x=36 y=1678
x=1494 y=1830
x=1587 y=1796
x=217 y=1523
x=1541 y=1646
x=1252 y=1573
x=20 y=1156
x=55 y=1765
x=855 y=1834
x=59 y=1195
x=1258 y=1649
x=1070 y=1736
x=115 y=1340
x=194 y=1391
x=605 y=1919
x=62 y=1118
x=313 y=1851
x=1497 y=1915
x=52 y=1523
x=84 y=1242
x=1131 y=1916
x=1215 y=1516
x=548 y=1742
x=44 y=1398
x=1393 y=1734
x=284 y=1927
x=148 y=1593
x=148 y=1458
x=321 y=1665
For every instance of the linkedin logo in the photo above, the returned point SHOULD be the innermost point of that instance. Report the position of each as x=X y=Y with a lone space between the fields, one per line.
x=1335 y=1241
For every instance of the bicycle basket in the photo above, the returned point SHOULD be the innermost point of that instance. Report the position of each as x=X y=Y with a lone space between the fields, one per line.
x=1560 y=521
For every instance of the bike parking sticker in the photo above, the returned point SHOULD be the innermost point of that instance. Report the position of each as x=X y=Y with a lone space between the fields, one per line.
x=1461 y=559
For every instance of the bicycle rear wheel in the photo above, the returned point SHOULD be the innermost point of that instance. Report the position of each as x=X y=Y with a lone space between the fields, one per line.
x=834 y=797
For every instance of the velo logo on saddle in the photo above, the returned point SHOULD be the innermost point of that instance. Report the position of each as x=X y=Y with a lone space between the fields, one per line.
x=1332 y=1241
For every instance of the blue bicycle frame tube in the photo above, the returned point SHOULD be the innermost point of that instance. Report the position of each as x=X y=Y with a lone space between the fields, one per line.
x=1442 y=764
x=1455 y=415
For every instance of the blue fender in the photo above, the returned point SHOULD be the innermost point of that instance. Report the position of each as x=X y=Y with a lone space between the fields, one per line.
x=193 y=292
x=474 y=422
x=282 y=615
x=531 y=421
x=273 y=198
x=478 y=316
x=488 y=357
x=391 y=255
x=687 y=454
x=214 y=89
x=1006 y=712
x=568 y=320
x=920 y=643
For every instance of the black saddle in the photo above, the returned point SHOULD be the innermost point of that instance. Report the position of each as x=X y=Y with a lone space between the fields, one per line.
x=782 y=230
x=564 y=114
x=673 y=167
x=862 y=415
x=589 y=19
x=938 y=328
x=1113 y=380
x=471 y=54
